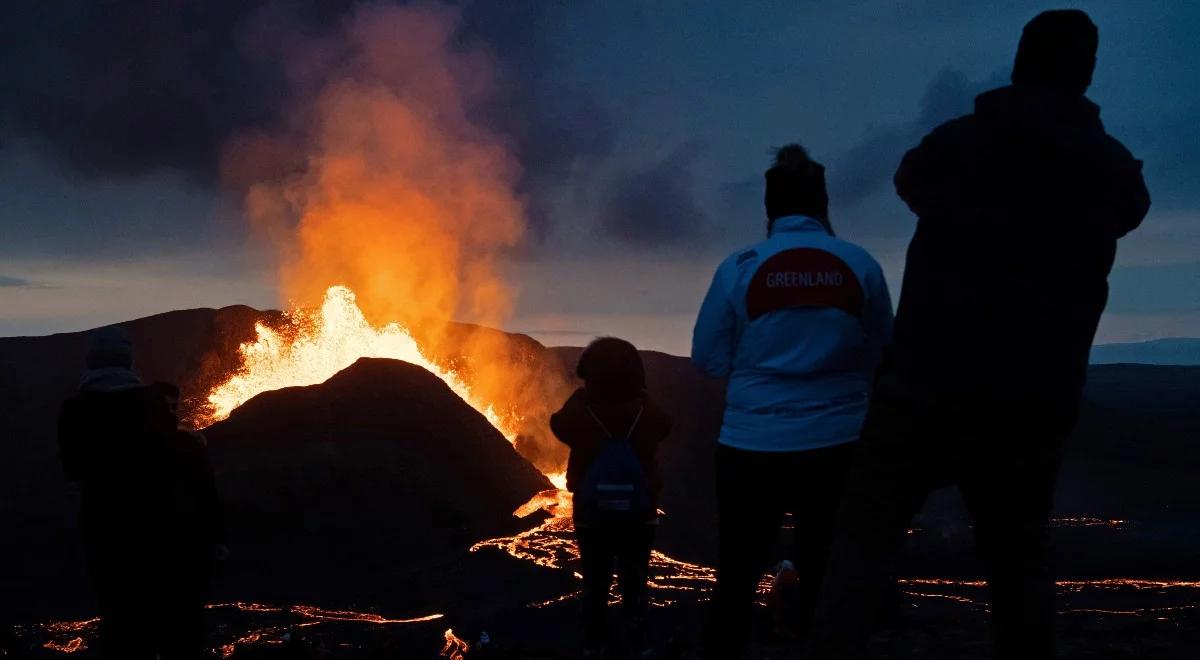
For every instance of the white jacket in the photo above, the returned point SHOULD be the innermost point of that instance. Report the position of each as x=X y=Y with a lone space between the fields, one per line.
x=798 y=324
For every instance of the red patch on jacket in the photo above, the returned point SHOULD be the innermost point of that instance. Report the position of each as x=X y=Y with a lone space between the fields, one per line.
x=804 y=277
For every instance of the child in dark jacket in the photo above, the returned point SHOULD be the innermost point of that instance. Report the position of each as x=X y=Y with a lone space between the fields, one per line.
x=612 y=407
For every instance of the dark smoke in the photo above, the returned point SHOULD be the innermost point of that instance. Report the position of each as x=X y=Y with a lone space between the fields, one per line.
x=656 y=205
x=131 y=87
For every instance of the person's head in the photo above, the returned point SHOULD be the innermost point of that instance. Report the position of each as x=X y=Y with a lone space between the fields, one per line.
x=612 y=370
x=796 y=186
x=1057 y=51
x=111 y=348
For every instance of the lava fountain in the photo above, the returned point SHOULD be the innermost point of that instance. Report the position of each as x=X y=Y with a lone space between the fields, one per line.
x=390 y=206
x=317 y=346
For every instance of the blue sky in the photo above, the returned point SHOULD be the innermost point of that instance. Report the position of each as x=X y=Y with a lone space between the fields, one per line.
x=663 y=113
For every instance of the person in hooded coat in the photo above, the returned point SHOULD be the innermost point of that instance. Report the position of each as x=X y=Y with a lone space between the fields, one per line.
x=612 y=405
x=148 y=516
x=1019 y=205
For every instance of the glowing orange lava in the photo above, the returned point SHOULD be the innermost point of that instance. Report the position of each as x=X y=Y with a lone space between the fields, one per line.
x=455 y=648
x=321 y=344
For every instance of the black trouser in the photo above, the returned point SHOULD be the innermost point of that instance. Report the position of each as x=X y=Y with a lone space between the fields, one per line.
x=601 y=549
x=1004 y=457
x=148 y=607
x=754 y=491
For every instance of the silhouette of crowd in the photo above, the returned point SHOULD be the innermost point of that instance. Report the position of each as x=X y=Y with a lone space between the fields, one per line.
x=838 y=412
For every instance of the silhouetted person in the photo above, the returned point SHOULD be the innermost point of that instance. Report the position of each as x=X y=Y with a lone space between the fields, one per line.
x=148 y=514
x=797 y=323
x=613 y=429
x=1019 y=208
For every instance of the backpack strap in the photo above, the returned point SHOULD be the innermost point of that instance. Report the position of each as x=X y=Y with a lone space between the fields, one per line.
x=628 y=434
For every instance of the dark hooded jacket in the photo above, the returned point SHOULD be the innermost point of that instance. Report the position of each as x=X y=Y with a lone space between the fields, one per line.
x=576 y=428
x=149 y=500
x=1020 y=206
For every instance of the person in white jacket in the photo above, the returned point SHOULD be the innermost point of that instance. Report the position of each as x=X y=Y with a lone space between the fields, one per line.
x=797 y=323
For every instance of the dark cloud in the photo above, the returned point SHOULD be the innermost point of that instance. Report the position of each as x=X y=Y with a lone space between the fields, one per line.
x=14 y=282
x=868 y=166
x=557 y=128
x=656 y=205
x=139 y=86
x=124 y=88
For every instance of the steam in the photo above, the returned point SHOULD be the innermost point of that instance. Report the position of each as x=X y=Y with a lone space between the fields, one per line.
x=382 y=180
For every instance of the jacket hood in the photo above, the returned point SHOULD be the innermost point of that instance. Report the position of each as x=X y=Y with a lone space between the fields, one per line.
x=1038 y=106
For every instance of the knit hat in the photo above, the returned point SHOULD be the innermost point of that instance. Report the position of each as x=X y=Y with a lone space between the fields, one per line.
x=796 y=185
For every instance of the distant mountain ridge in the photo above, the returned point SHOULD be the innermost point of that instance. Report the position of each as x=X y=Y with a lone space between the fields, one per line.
x=1172 y=351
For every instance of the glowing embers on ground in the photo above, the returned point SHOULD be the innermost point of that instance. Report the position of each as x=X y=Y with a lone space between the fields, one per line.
x=246 y=624
x=455 y=648
x=1102 y=596
x=551 y=544
x=1089 y=522
x=317 y=344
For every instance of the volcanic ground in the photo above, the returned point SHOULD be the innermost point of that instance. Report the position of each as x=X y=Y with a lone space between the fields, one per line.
x=370 y=513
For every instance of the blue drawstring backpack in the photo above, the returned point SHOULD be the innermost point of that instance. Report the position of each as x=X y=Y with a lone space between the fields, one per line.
x=615 y=490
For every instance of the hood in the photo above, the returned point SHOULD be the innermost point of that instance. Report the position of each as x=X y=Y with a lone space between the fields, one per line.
x=109 y=379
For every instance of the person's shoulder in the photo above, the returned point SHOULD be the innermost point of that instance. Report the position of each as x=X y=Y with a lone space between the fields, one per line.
x=857 y=255
x=562 y=419
x=655 y=417
x=952 y=132
x=1116 y=152
x=744 y=255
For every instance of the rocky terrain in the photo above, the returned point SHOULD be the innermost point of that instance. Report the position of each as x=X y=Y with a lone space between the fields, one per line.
x=357 y=508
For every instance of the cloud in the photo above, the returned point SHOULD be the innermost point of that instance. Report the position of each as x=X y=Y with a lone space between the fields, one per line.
x=867 y=167
x=138 y=87
x=656 y=205
x=14 y=282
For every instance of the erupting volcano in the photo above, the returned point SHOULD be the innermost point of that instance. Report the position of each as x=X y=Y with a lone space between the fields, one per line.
x=389 y=208
x=316 y=346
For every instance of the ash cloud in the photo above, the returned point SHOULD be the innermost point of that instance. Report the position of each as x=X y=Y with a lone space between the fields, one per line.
x=123 y=89
x=868 y=166
x=656 y=205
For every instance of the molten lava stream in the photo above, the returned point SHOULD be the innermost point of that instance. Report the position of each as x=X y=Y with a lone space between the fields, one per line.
x=455 y=648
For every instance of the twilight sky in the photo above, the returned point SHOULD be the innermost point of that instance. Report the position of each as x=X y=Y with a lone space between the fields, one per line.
x=642 y=130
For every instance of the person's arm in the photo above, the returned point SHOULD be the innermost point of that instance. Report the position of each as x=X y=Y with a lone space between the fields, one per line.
x=714 y=337
x=564 y=422
x=878 y=318
x=922 y=178
x=1129 y=200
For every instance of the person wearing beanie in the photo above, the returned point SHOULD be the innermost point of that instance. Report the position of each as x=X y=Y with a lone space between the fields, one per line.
x=148 y=516
x=613 y=429
x=109 y=361
x=797 y=323
x=1019 y=209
